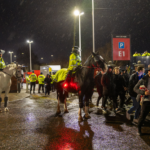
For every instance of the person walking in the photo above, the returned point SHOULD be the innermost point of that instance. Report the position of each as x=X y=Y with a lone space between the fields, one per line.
x=107 y=82
x=33 y=79
x=134 y=78
x=41 y=78
x=120 y=89
x=145 y=108
x=47 y=82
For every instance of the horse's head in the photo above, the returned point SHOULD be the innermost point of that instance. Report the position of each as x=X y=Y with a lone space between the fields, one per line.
x=14 y=69
x=96 y=61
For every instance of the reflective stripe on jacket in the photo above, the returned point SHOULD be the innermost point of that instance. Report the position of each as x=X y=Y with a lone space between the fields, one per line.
x=2 y=63
x=60 y=75
x=33 y=77
x=74 y=61
x=41 y=79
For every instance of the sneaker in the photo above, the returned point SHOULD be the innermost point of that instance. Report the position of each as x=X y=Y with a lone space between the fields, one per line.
x=139 y=133
x=118 y=110
x=135 y=121
x=128 y=115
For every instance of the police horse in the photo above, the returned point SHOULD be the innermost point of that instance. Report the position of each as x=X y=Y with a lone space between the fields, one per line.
x=83 y=84
x=5 y=81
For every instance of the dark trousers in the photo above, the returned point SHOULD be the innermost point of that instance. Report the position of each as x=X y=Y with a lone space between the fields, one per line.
x=47 y=89
x=41 y=85
x=115 y=105
x=122 y=98
x=145 y=109
x=53 y=88
x=32 y=84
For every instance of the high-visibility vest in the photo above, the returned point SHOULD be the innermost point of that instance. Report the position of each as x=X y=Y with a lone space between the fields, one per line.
x=74 y=61
x=33 y=77
x=41 y=79
x=145 y=54
x=52 y=77
x=2 y=63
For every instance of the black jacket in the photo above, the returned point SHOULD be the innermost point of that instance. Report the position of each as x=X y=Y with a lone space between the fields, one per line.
x=132 y=82
x=108 y=84
x=120 y=84
x=143 y=81
x=48 y=81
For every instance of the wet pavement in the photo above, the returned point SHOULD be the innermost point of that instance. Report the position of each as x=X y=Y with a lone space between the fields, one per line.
x=31 y=124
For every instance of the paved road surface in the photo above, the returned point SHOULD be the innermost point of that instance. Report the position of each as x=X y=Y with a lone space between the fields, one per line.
x=31 y=124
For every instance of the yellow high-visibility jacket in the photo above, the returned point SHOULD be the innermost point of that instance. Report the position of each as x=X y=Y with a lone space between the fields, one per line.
x=74 y=61
x=145 y=54
x=2 y=63
x=41 y=79
x=32 y=77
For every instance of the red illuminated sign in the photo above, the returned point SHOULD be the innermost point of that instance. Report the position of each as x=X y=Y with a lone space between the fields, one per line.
x=121 y=48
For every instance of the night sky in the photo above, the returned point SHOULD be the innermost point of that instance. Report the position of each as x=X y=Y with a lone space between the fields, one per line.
x=50 y=24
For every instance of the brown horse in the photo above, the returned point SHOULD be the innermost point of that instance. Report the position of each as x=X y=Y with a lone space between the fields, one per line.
x=83 y=84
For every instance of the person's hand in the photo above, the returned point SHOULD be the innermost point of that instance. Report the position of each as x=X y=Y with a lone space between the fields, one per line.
x=147 y=92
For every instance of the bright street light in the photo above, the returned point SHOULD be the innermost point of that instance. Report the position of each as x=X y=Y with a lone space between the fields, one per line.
x=77 y=13
x=22 y=53
x=10 y=52
x=14 y=55
x=30 y=53
x=51 y=55
x=41 y=58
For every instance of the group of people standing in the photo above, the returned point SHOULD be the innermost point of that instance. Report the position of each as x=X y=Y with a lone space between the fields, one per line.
x=43 y=82
x=116 y=82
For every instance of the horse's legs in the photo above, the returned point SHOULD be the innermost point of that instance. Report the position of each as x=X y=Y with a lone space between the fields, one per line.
x=80 y=107
x=87 y=116
x=58 y=107
x=6 y=99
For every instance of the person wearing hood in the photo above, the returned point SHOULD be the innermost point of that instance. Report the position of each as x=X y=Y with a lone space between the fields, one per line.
x=2 y=63
x=107 y=82
x=47 y=82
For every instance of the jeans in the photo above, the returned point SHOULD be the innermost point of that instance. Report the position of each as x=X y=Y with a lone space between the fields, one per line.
x=144 y=112
x=136 y=106
x=32 y=84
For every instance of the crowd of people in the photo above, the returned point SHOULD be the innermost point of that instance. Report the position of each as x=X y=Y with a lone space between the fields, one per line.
x=46 y=83
x=117 y=82
x=146 y=53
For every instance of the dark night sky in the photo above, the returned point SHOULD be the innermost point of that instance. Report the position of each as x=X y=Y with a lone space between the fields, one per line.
x=50 y=23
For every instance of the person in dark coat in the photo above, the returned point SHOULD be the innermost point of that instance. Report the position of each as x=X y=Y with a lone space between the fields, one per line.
x=120 y=88
x=47 y=82
x=145 y=108
x=134 y=78
x=107 y=82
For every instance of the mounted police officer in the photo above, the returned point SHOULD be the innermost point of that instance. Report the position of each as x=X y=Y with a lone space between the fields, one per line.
x=41 y=78
x=74 y=60
x=33 y=79
x=2 y=63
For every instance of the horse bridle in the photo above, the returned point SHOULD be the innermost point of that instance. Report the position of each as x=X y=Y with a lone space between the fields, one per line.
x=12 y=74
x=96 y=59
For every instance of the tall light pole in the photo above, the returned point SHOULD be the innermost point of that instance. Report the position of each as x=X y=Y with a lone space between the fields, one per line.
x=10 y=52
x=93 y=26
x=77 y=13
x=30 y=53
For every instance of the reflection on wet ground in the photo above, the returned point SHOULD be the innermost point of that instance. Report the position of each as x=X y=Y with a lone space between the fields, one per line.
x=31 y=123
